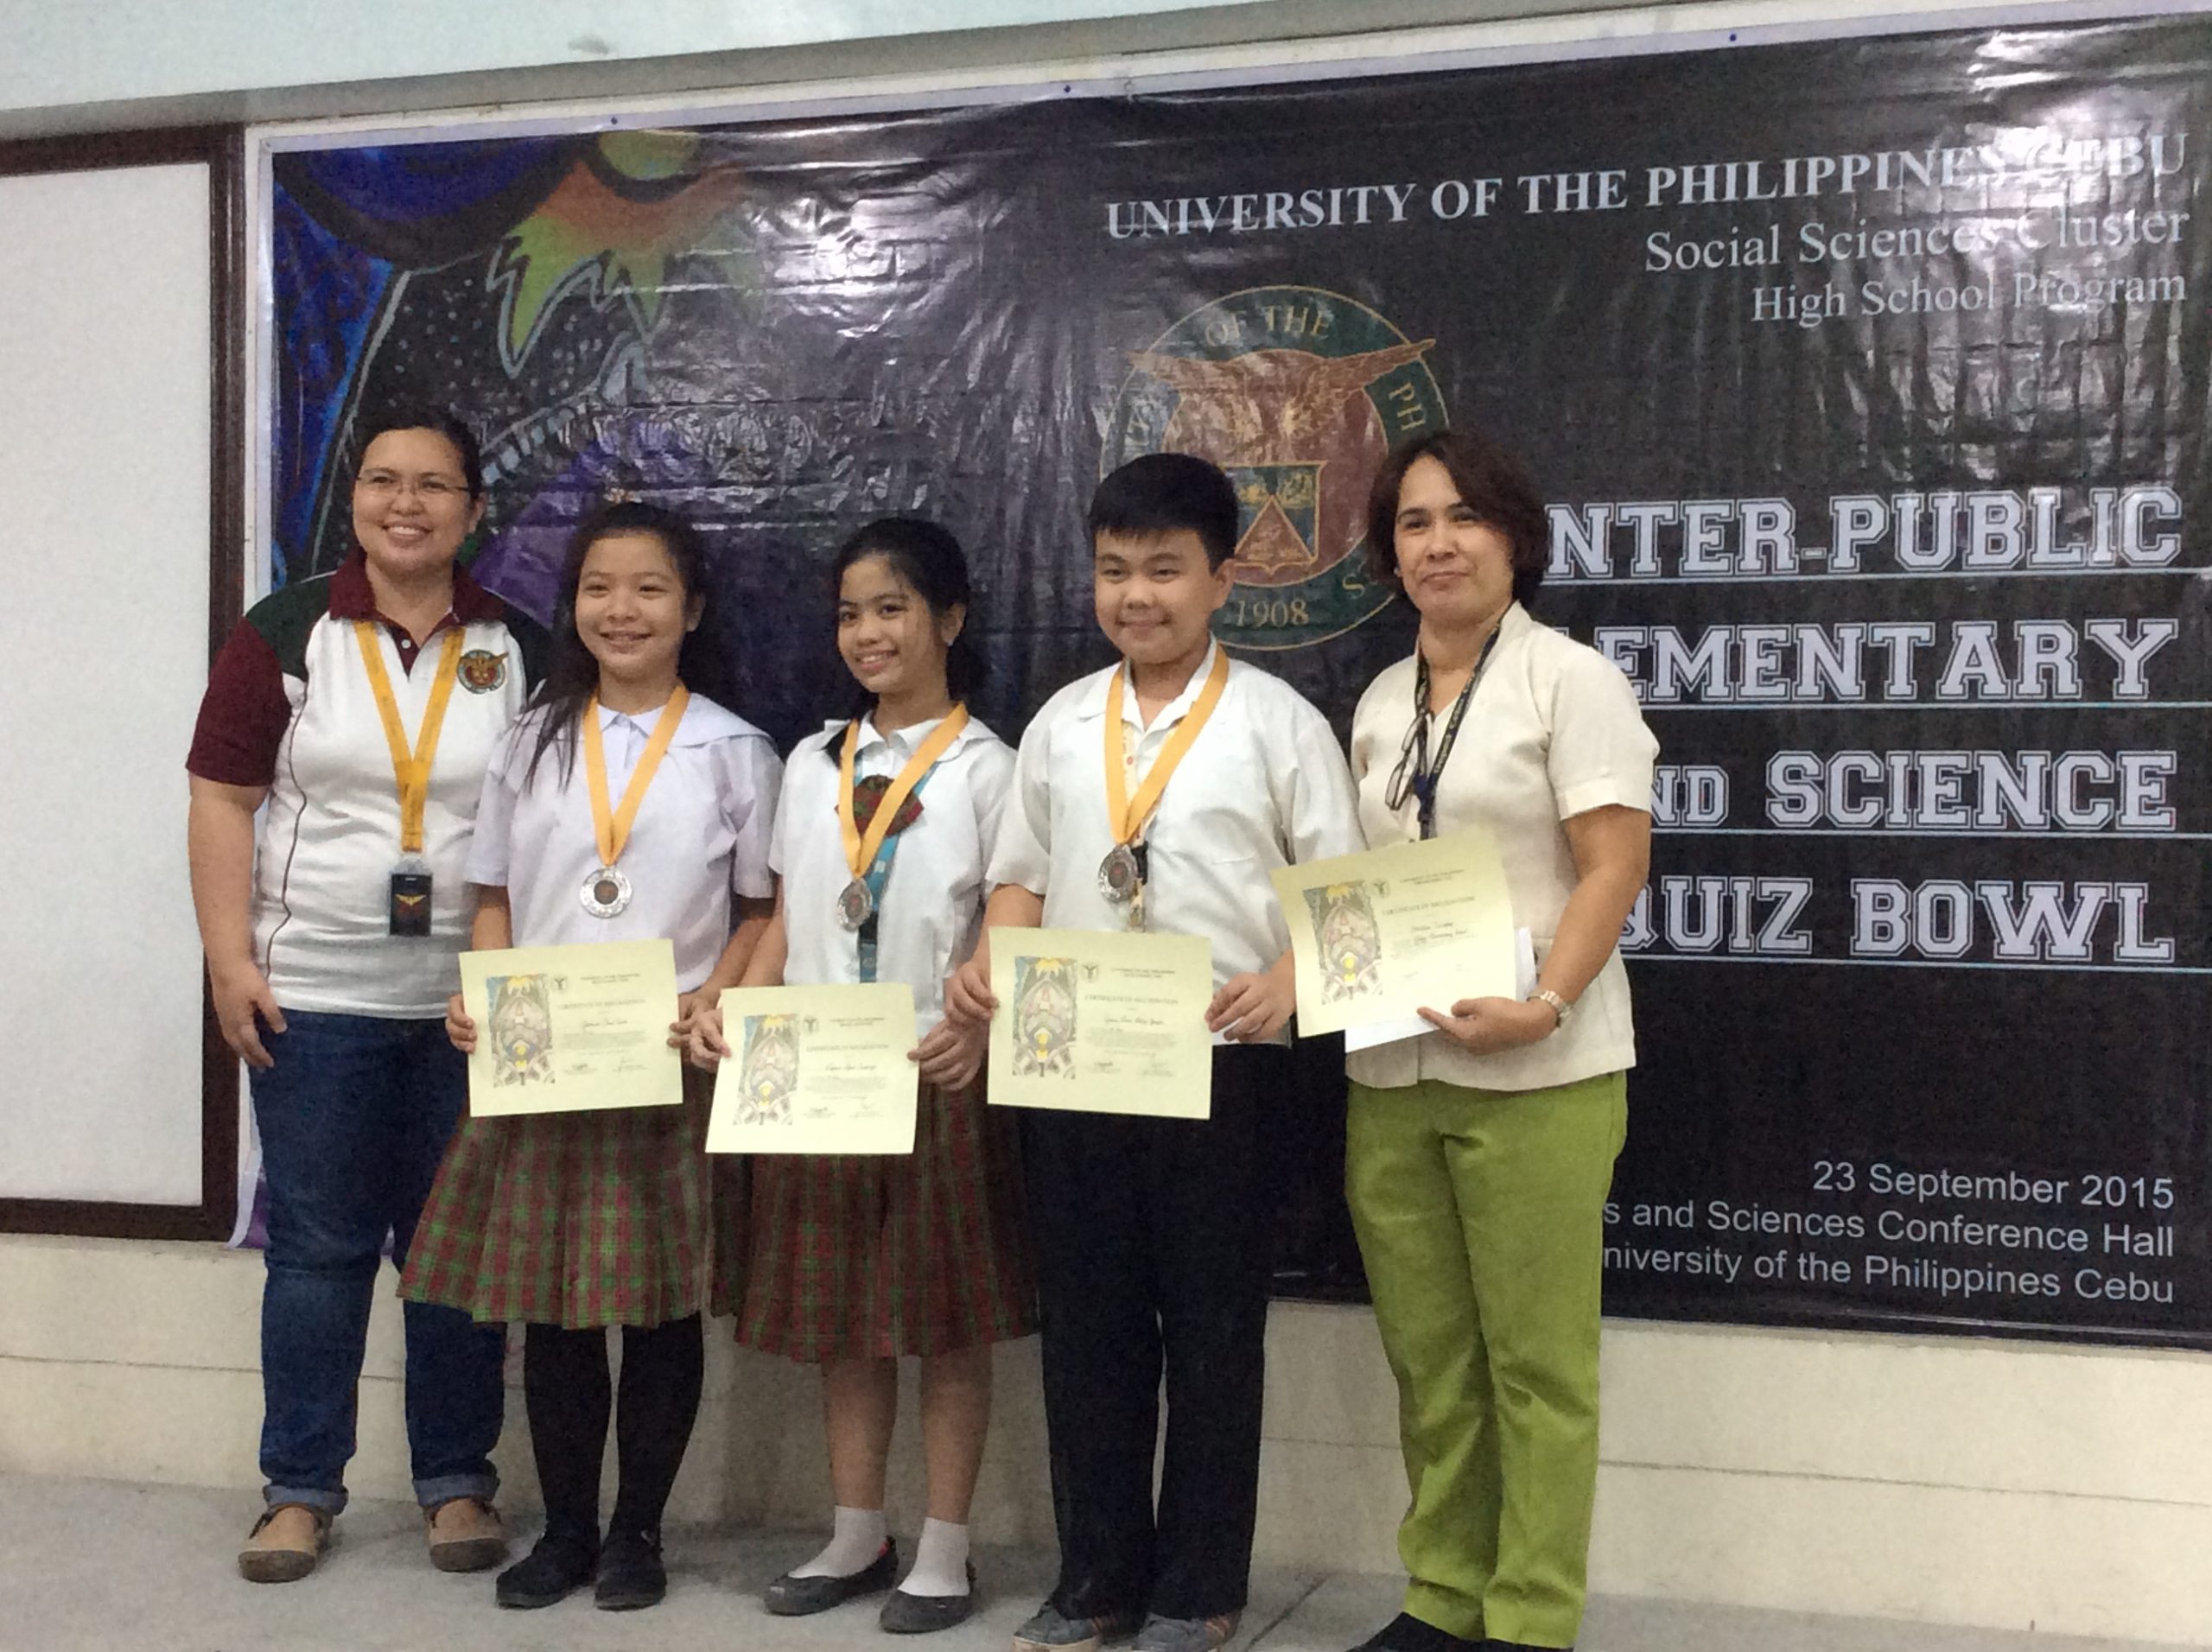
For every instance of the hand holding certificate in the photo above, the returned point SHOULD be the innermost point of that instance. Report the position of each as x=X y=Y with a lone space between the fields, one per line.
x=1382 y=935
x=569 y=1029
x=1102 y=1021
x=816 y=1070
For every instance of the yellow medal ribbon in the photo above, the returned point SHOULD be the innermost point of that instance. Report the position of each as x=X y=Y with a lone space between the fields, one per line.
x=410 y=770
x=1126 y=817
x=861 y=851
x=611 y=824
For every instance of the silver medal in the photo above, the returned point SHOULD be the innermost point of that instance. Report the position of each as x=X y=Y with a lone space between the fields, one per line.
x=1119 y=879
x=606 y=892
x=856 y=905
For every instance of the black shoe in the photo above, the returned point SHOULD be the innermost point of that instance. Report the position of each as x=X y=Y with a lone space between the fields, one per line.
x=630 y=1573
x=1406 y=1633
x=557 y=1566
x=1522 y=1646
x=791 y=1597
x=906 y=1614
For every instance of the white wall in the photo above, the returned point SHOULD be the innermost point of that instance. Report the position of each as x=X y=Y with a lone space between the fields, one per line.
x=61 y=53
x=104 y=522
x=2010 y=1485
x=86 y=68
x=76 y=66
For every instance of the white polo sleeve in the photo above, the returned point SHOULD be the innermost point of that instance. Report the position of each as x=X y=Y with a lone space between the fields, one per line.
x=495 y=807
x=748 y=777
x=990 y=781
x=1023 y=852
x=779 y=840
x=1315 y=798
x=1601 y=751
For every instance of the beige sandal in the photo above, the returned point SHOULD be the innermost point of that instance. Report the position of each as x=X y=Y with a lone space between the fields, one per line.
x=466 y=1534
x=271 y=1556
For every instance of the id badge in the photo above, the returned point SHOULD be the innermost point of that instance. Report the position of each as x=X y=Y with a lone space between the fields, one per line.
x=410 y=902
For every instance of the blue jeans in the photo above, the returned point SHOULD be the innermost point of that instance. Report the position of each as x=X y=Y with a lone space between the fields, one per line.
x=355 y=1117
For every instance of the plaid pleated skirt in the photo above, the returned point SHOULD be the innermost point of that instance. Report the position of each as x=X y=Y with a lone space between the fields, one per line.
x=862 y=1256
x=574 y=1219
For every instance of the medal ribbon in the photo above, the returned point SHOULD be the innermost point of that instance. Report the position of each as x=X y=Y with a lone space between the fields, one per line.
x=1125 y=817
x=1426 y=775
x=411 y=771
x=879 y=876
x=861 y=851
x=612 y=825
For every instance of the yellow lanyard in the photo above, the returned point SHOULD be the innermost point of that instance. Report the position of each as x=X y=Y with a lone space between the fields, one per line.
x=860 y=852
x=1125 y=818
x=410 y=770
x=612 y=825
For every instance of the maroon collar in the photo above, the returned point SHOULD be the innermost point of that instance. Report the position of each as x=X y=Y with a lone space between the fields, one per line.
x=352 y=598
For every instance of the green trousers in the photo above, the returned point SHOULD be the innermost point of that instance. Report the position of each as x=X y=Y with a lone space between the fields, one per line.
x=1481 y=1220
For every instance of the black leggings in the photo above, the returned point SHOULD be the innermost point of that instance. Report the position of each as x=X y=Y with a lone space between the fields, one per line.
x=567 y=1392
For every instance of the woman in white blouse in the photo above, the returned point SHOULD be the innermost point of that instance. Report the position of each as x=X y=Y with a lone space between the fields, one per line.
x=1478 y=1155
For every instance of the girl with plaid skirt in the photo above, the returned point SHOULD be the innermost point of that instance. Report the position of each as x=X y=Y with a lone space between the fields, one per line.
x=624 y=807
x=851 y=1262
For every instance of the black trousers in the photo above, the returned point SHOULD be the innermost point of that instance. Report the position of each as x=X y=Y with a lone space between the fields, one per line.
x=1152 y=1256
x=568 y=1393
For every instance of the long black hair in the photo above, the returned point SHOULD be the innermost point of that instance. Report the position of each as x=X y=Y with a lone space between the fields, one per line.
x=571 y=672
x=928 y=559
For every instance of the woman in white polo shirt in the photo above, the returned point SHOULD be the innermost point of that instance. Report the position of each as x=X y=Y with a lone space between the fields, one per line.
x=1478 y=1155
x=361 y=707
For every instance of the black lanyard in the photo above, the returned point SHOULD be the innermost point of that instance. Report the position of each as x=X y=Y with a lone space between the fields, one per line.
x=1422 y=776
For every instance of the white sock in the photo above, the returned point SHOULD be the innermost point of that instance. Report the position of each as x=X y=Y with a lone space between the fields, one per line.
x=855 y=1541
x=940 y=1561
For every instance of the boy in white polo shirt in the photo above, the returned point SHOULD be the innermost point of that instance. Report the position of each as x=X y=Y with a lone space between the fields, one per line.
x=1152 y=1234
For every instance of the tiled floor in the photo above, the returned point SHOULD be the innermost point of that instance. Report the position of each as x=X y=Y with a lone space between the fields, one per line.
x=91 y=1566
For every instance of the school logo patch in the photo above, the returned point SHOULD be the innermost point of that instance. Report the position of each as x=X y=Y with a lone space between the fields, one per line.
x=1299 y=394
x=482 y=670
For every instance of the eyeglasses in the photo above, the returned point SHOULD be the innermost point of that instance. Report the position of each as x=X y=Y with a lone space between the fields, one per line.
x=1412 y=755
x=431 y=490
x=1415 y=776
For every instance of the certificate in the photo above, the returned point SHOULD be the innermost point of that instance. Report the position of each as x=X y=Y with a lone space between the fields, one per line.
x=568 y=1029
x=1378 y=937
x=1102 y=1021
x=816 y=1070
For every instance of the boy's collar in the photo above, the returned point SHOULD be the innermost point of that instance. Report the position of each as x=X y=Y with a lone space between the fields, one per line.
x=1092 y=705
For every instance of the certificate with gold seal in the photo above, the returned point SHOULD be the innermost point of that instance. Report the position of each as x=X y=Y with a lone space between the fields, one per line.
x=816 y=1070
x=1102 y=1021
x=571 y=1029
x=1378 y=937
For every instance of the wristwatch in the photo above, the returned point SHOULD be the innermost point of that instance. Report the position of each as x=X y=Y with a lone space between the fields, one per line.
x=1560 y=1008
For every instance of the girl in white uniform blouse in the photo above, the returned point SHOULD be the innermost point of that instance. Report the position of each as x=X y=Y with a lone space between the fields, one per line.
x=573 y=1222
x=853 y=1260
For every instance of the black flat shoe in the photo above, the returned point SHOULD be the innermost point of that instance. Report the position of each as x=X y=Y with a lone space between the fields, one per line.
x=1406 y=1633
x=555 y=1568
x=631 y=1574
x=906 y=1614
x=791 y=1597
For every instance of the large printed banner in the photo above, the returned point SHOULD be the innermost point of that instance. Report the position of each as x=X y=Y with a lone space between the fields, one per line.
x=1869 y=382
